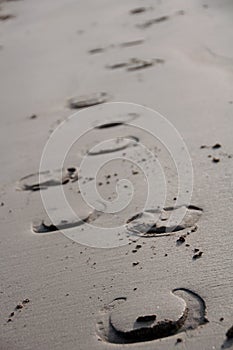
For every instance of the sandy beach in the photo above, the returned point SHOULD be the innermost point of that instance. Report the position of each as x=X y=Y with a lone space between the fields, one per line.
x=123 y=111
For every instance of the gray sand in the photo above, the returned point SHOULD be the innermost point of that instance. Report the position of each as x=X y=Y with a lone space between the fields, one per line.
x=51 y=51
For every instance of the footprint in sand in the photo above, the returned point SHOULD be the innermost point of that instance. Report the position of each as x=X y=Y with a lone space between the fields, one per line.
x=88 y=100
x=115 y=145
x=161 y=19
x=109 y=125
x=136 y=64
x=124 y=44
x=152 y=223
x=50 y=178
x=120 y=121
x=138 y=10
x=131 y=43
x=131 y=321
x=6 y=17
x=152 y=21
x=42 y=226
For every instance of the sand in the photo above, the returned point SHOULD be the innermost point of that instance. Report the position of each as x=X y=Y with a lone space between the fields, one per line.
x=154 y=290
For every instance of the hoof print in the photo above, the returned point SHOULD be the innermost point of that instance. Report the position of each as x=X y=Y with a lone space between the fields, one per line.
x=121 y=321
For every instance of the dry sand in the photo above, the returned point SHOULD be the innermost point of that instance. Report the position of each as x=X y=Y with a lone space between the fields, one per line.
x=59 y=294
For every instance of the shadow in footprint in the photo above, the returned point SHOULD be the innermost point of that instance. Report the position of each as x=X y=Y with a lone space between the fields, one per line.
x=228 y=343
x=109 y=125
x=120 y=121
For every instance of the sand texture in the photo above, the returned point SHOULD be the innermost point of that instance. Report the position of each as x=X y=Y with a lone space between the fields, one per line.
x=167 y=284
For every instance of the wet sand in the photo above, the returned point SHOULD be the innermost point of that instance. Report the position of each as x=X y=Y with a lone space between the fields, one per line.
x=160 y=291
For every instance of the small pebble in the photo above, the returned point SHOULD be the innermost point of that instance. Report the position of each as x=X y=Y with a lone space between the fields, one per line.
x=180 y=240
x=215 y=160
x=197 y=256
x=216 y=146
x=33 y=116
x=25 y=301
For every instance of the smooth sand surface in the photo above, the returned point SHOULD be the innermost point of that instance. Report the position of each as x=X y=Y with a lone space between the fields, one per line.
x=46 y=57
